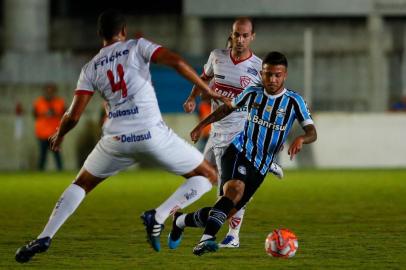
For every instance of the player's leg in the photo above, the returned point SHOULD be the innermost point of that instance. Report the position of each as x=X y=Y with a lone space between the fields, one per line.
x=99 y=165
x=65 y=206
x=177 y=156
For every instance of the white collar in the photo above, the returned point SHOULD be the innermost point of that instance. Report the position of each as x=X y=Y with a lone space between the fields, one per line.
x=275 y=96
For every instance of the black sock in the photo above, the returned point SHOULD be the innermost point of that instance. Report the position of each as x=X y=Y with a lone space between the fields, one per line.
x=198 y=218
x=218 y=215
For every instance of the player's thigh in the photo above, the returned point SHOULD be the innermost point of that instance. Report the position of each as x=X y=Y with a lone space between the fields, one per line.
x=176 y=155
x=107 y=158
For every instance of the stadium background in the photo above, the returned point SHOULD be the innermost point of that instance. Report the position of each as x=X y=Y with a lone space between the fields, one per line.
x=346 y=57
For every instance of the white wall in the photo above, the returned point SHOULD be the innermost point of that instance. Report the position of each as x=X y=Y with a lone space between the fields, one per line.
x=357 y=140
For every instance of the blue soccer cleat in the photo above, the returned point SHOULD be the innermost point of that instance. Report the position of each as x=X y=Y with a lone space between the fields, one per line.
x=175 y=236
x=25 y=253
x=153 y=229
x=206 y=246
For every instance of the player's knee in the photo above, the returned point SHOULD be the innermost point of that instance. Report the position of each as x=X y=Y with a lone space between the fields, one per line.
x=207 y=170
x=234 y=190
x=87 y=181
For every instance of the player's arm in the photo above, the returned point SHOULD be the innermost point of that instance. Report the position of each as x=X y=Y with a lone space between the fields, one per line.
x=166 y=57
x=309 y=137
x=190 y=103
x=69 y=120
x=215 y=116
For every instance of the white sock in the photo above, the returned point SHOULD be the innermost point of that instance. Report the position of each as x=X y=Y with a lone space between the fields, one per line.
x=235 y=222
x=189 y=192
x=66 y=205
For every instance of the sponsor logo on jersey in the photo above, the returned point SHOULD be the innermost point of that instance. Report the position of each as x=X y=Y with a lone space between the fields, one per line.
x=219 y=76
x=120 y=113
x=257 y=120
x=241 y=169
x=225 y=93
x=252 y=71
x=244 y=81
x=242 y=109
x=135 y=138
x=107 y=59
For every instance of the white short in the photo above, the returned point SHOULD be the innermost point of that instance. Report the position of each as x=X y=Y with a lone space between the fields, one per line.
x=158 y=144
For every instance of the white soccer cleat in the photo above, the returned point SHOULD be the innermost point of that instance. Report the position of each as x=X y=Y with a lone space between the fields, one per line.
x=276 y=170
x=230 y=241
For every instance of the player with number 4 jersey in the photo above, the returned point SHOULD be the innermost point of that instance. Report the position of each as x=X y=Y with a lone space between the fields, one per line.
x=134 y=130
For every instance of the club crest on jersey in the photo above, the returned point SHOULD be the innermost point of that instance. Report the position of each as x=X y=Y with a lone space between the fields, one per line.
x=280 y=112
x=244 y=81
x=253 y=71
x=241 y=169
x=268 y=108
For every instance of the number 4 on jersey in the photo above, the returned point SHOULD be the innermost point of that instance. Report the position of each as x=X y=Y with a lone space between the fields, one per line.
x=120 y=85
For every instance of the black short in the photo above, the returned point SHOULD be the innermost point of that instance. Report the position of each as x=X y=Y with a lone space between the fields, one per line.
x=234 y=165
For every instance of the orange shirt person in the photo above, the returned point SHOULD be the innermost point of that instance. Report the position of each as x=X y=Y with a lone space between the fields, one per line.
x=48 y=111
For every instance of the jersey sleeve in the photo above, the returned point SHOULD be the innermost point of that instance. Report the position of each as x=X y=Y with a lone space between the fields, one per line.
x=208 y=67
x=148 y=49
x=241 y=99
x=302 y=111
x=84 y=84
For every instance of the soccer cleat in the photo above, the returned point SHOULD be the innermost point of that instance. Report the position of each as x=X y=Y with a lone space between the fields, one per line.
x=153 y=229
x=276 y=170
x=25 y=253
x=175 y=236
x=206 y=246
x=230 y=241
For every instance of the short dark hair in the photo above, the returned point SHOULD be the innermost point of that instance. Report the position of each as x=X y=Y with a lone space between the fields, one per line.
x=246 y=19
x=275 y=58
x=110 y=23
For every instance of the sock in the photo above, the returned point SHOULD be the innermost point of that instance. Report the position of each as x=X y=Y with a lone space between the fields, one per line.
x=66 y=205
x=217 y=217
x=189 y=192
x=195 y=219
x=235 y=222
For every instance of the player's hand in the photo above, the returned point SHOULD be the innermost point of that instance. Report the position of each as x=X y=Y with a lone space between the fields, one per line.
x=295 y=147
x=195 y=134
x=189 y=105
x=55 y=142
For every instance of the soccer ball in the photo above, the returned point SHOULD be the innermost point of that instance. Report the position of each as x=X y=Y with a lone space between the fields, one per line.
x=281 y=243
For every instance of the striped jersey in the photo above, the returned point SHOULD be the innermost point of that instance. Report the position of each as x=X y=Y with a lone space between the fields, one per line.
x=270 y=118
x=230 y=78
x=120 y=73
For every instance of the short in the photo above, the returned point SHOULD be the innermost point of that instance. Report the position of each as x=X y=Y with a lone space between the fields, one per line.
x=215 y=149
x=156 y=145
x=235 y=166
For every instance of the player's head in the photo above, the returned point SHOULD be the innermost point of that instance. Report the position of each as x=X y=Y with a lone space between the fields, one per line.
x=242 y=34
x=274 y=72
x=111 y=24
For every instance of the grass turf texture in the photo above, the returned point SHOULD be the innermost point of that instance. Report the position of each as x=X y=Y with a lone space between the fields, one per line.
x=343 y=219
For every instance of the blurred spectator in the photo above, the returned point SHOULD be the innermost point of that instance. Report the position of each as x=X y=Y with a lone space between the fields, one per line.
x=399 y=106
x=48 y=111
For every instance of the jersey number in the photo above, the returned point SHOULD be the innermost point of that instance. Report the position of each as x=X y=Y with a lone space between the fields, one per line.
x=120 y=85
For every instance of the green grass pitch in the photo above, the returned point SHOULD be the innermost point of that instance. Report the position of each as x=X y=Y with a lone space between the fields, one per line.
x=344 y=219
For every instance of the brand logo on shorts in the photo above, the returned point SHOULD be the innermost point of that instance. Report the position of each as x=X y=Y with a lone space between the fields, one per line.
x=191 y=194
x=242 y=170
x=135 y=138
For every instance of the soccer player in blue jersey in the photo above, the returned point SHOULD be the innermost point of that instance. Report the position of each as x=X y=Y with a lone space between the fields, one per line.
x=272 y=110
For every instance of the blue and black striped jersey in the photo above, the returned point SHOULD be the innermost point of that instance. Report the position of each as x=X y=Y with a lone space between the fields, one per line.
x=270 y=118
